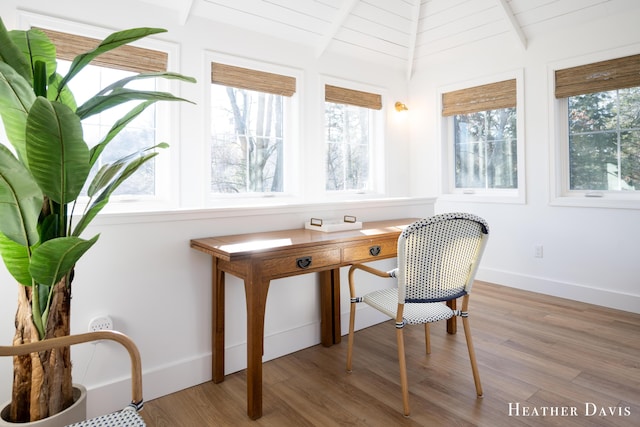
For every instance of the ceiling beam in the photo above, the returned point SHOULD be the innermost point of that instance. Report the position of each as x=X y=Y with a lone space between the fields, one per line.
x=515 y=27
x=343 y=13
x=413 y=37
x=184 y=10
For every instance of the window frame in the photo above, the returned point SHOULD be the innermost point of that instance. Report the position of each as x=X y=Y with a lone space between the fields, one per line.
x=376 y=182
x=446 y=131
x=167 y=113
x=560 y=193
x=291 y=132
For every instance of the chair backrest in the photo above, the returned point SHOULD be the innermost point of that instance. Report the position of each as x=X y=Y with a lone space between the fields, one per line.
x=438 y=257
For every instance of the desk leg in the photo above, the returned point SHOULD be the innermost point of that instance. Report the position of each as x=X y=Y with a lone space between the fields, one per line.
x=330 y=332
x=452 y=324
x=256 y=293
x=217 y=323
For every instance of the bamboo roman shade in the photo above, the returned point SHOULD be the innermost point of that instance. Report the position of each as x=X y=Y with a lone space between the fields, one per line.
x=358 y=98
x=245 y=78
x=491 y=96
x=601 y=76
x=128 y=58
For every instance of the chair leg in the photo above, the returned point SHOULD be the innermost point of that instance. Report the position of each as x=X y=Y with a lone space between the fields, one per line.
x=352 y=321
x=403 y=372
x=472 y=353
x=427 y=337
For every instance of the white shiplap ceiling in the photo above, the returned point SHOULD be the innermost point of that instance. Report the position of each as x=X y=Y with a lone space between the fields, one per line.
x=399 y=32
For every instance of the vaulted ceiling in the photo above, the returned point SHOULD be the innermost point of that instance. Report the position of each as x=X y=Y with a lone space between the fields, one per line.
x=401 y=32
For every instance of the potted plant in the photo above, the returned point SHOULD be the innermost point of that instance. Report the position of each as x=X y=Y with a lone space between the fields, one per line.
x=41 y=180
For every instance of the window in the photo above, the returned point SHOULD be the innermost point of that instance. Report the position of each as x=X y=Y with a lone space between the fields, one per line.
x=482 y=139
x=349 y=131
x=248 y=129
x=108 y=68
x=599 y=106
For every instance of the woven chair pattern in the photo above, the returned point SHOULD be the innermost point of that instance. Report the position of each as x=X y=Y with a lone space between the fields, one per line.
x=128 y=417
x=386 y=301
x=436 y=256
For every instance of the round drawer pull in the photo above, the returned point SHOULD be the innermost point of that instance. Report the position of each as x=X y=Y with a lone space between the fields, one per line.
x=374 y=250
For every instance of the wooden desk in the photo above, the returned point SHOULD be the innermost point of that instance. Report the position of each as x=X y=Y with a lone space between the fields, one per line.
x=257 y=258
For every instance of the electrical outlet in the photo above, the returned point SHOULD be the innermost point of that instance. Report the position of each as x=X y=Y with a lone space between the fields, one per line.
x=537 y=251
x=102 y=323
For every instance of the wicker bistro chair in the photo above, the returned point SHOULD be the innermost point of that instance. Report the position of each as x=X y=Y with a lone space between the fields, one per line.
x=437 y=261
x=127 y=417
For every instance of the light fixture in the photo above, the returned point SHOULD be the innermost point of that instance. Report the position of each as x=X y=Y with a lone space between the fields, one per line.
x=400 y=106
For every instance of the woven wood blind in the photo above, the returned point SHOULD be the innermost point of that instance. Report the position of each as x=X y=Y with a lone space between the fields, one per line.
x=491 y=96
x=358 y=98
x=601 y=76
x=245 y=78
x=128 y=58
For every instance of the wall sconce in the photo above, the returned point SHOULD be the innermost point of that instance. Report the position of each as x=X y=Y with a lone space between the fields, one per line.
x=401 y=107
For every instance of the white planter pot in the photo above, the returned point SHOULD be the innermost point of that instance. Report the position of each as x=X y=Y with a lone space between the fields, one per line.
x=73 y=414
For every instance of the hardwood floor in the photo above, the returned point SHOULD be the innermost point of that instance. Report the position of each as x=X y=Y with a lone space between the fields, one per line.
x=534 y=352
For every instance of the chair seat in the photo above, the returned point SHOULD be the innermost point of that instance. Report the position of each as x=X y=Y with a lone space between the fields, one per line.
x=128 y=417
x=386 y=300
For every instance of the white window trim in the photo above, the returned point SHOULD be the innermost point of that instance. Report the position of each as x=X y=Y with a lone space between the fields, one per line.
x=167 y=123
x=559 y=193
x=294 y=145
x=446 y=149
x=377 y=166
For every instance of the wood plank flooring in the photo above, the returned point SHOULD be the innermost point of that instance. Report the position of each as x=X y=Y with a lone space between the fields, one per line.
x=534 y=352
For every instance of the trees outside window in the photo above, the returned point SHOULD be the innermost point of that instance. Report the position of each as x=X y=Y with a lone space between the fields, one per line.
x=348 y=130
x=485 y=146
x=246 y=141
x=604 y=140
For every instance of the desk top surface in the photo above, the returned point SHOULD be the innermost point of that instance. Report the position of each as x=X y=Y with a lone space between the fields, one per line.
x=242 y=245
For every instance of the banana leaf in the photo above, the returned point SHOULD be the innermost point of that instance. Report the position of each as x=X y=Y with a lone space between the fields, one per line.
x=58 y=156
x=54 y=258
x=16 y=98
x=123 y=173
x=20 y=201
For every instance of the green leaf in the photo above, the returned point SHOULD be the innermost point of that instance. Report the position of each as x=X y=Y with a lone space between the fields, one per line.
x=66 y=96
x=98 y=104
x=113 y=41
x=16 y=98
x=97 y=149
x=11 y=55
x=55 y=258
x=20 y=201
x=130 y=167
x=16 y=259
x=36 y=46
x=109 y=171
x=165 y=75
x=58 y=156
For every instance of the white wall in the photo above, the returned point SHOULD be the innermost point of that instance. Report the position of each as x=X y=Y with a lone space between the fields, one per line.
x=142 y=271
x=589 y=254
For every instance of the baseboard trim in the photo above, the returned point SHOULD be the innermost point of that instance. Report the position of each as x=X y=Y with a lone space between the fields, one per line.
x=572 y=291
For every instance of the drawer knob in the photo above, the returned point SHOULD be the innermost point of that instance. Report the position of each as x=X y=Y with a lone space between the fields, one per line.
x=374 y=250
x=303 y=262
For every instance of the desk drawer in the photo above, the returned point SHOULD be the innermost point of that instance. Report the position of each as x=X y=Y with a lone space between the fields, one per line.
x=302 y=262
x=370 y=251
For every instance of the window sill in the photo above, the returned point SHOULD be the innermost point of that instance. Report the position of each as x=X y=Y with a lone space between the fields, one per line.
x=607 y=201
x=508 y=197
